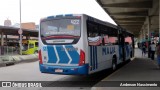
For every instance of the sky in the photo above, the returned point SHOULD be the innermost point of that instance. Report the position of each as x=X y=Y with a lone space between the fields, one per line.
x=34 y=10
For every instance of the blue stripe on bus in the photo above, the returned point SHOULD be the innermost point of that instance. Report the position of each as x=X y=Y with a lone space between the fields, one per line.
x=96 y=58
x=51 y=55
x=120 y=52
x=74 y=54
x=62 y=55
x=91 y=57
x=127 y=50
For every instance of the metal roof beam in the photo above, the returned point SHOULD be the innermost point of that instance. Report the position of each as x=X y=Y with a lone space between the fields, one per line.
x=134 y=13
x=140 y=4
x=139 y=27
x=130 y=23
x=132 y=19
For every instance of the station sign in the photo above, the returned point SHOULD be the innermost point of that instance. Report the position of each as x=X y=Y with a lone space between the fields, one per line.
x=20 y=31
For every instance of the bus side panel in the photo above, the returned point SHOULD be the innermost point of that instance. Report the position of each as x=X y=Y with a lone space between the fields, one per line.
x=84 y=37
x=120 y=54
x=117 y=53
x=100 y=57
x=127 y=53
x=128 y=50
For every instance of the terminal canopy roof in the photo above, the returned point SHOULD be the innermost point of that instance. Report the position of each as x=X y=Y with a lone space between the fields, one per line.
x=133 y=15
x=14 y=31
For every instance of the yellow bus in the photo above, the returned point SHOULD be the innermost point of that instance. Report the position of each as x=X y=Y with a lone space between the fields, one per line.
x=29 y=46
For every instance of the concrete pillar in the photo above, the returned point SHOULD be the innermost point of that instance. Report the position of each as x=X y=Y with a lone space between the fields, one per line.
x=159 y=22
x=27 y=37
x=6 y=40
x=2 y=39
x=141 y=34
x=144 y=33
x=148 y=28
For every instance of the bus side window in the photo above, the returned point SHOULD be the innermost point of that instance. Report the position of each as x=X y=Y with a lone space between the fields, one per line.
x=103 y=42
x=94 y=38
x=31 y=45
x=106 y=41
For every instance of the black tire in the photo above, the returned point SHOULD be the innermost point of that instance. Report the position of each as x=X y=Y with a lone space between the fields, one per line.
x=114 y=64
x=131 y=54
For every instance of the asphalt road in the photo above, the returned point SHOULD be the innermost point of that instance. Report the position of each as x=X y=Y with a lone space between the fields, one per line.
x=30 y=72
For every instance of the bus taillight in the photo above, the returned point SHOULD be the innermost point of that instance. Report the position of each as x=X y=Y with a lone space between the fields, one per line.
x=40 y=56
x=82 y=58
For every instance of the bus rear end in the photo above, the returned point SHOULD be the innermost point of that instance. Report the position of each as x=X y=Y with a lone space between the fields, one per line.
x=61 y=46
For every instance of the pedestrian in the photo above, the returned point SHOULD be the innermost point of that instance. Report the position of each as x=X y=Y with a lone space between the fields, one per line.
x=153 y=49
x=143 y=49
x=158 y=54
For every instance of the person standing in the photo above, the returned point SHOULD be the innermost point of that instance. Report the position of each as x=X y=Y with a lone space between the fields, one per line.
x=143 y=49
x=153 y=49
x=158 y=54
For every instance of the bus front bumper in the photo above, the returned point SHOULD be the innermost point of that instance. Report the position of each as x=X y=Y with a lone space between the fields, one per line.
x=67 y=70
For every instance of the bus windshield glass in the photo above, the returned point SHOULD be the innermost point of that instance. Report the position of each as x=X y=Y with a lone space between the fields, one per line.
x=60 y=27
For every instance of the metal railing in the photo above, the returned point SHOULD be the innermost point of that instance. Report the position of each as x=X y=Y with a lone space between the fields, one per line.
x=9 y=50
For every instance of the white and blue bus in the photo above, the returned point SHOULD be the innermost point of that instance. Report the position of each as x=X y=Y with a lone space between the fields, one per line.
x=77 y=44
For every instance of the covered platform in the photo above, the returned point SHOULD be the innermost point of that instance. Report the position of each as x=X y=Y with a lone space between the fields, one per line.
x=141 y=17
x=139 y=70
x=8 y=33
x=14 y=31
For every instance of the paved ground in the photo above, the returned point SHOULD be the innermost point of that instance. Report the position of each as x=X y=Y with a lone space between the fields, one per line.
x=6 y=60
x=140 y=69
x=30 y=72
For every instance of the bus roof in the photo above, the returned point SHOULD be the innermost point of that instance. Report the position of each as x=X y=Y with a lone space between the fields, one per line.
x=90 y=18
x=78 y=15
x=61 y=16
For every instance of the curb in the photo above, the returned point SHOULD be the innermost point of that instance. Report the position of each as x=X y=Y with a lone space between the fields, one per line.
x=11 y=60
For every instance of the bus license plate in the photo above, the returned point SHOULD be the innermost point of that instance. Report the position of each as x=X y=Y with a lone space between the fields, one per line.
x=58 y=70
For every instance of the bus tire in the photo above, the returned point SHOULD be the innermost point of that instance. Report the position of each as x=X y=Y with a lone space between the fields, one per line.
x=114 y=63
x=130 y=54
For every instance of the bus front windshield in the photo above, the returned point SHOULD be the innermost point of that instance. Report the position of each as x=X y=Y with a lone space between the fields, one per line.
x=60 y=30
x=60 y=27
